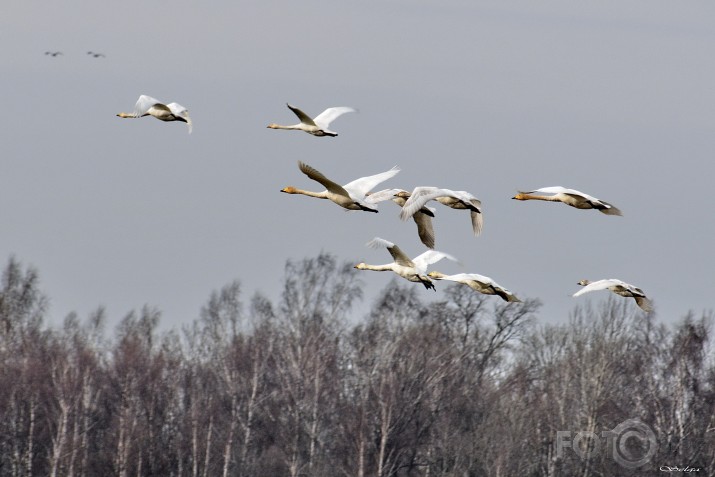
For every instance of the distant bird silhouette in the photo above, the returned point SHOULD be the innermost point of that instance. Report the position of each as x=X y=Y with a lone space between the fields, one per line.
x=570 y=197
x=350 y=196
x=53 y=53
x=317 y=126
x=148 y=106
x=96 y=55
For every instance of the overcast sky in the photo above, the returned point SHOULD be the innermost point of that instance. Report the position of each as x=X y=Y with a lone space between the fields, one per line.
x=616 y=99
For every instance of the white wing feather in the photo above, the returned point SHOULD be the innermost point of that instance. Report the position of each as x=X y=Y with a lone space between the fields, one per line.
x=144 y=103
x=421 y=195
x=418 y=198
x=179 y=110
x=378 y=242
x=324 y=119
x=429 y=257
x=600 y=285
x=564 y=190
x=381 y=195
x=360 y=187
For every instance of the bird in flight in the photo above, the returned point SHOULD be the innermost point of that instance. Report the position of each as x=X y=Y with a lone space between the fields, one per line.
x=317 y=126
x=148 y=106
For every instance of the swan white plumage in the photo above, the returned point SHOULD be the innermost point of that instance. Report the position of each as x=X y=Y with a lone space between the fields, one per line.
x=570 y=197
x=619 y=288
x=454 y=199
x=148 y=106
x=478 y=283
x=317 y=126
x=351 y=196
x=414 y=270
x=423 y=217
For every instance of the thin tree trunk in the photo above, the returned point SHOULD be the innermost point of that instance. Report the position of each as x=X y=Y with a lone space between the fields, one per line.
x=229 y=440
x=58 y=442
x=207 y=456
x=29 y=455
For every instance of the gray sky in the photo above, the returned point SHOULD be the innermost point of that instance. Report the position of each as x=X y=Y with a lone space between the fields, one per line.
x=615 y=99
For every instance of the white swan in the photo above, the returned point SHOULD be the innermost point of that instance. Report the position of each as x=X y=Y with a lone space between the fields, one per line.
x=317 y=126
x=570 y=197
x=350 y=196
x=413 y=270
x=455 y=199
x=423 y=217
x=478 y=283
x=148 y=106
x=619 y=288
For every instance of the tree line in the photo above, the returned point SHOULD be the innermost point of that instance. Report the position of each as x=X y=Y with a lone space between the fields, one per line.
x=464 y=386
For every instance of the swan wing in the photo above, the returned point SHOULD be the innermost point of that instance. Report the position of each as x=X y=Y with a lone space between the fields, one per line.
x=397 y=255
x=381 y=195
x=182 y=112
x=596 y=203
x=319 y=177
x=644 y=303
x=599 y=285
x=552 y=190
x=324 y=119
x=499 y=290
x=144 y=103
x=477 y=222
x=304 y=118
x=360 y=187
x=465 y=196
x=429 y=257
x=419 y=197
x=484 y=280
x=425 y=230
x=577 y=194
x=610 y=209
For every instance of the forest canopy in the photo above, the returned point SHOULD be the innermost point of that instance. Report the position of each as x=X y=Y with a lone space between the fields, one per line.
x=467 y=385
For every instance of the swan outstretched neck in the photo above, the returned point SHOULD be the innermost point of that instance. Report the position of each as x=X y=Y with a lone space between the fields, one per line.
x=460 y=200
x=414 y=270
x=148 y=106
x=569 y=197
x=317 y=126
x=478 y=283
x=351 y=196
x=618 y=287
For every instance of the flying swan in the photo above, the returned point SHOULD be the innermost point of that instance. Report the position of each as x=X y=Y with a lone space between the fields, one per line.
x=478 y=283
x=570 y=197
x=619 y=288
x=148 y=106
x=423 y=217
x=351 y=196
x=317 y=126
x=413 y=270
x=460 y=200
